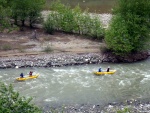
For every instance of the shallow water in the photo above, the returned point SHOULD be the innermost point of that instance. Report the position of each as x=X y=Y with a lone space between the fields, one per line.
x=99 y=6
x=78 y=85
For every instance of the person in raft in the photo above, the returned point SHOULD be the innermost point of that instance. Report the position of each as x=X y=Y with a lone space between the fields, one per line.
x=108 y=69
x=21 y=75
x=100 y=70
x=30 y=74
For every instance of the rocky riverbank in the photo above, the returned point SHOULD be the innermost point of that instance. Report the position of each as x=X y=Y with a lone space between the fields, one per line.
x=65 y=59
x=129 y=106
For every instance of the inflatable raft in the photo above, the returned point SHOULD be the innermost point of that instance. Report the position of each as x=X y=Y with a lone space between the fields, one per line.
x=28 y=77
x=105 y=72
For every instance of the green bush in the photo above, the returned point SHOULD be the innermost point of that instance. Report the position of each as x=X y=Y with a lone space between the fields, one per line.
x=19 y=10
x=4 y=16
x=26 y=10
x=49 y=25
x=64 y=17
x=117 y=37
x=73 y=21
x=89 y=25
x=11 y=102
x=124 y=110
x=6 y=47
x=48 y=49
x=53 y=22
x=34 y=13
x=95 y=29
x=129 y=29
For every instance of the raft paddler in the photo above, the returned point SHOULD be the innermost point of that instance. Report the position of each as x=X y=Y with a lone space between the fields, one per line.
x=108 y=69
x=21 y=75
x=100 y=69
x=30 y=74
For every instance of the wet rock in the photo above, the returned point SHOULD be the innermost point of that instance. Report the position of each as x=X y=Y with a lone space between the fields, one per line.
x=134 y=106
x=57 y=60
x=134 y=57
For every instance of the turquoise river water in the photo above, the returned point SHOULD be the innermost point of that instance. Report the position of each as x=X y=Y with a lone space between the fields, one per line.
x=78 y=84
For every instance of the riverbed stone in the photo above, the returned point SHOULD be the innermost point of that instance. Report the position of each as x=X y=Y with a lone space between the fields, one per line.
x=62 y=59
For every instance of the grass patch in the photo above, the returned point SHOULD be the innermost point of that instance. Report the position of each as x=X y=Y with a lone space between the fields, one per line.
x=48 y=49
x=22 y=50
x=5 y=47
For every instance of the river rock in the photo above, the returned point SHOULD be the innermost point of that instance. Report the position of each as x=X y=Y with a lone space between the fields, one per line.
x=62 y=59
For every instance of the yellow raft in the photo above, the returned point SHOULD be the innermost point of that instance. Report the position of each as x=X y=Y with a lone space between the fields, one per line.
x=105 y=72
x=28 y=77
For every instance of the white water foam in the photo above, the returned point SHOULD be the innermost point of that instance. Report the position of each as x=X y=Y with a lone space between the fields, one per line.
x=145 y=79
x=51 y=99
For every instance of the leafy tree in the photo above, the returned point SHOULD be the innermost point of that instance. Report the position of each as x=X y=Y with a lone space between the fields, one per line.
x=20 y=10
x=27 y=10
x=129 y=29
x=50 y=24
x=4 y=15
x=3 y=2
x=66 y=16
x=95 y=28
x=35 y=8
x=73 y=20
x=11 y=102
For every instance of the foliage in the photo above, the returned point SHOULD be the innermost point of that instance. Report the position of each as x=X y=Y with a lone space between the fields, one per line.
x=4 y=15
x=129 y=29
x=95 y=28
x=117 y=39
x=20 y=10
x=5 y=47
x=64 y=17
x=27 y=10
x=35 y=8
x=48 y=49
x=11 y=102
x=73 y=21
x=125 y=110
x=50 y=23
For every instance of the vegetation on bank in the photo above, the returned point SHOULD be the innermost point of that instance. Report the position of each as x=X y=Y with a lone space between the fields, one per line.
x=5 y=14
x=129 y=30
x=12 y=102
x=63 y=18
x=16 y=12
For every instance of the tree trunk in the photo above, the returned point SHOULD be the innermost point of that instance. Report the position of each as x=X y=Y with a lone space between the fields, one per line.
x=23 y=22
x=31 y=24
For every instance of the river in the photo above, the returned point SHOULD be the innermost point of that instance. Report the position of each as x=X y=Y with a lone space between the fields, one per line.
x=78 y=85
x=98 y=6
